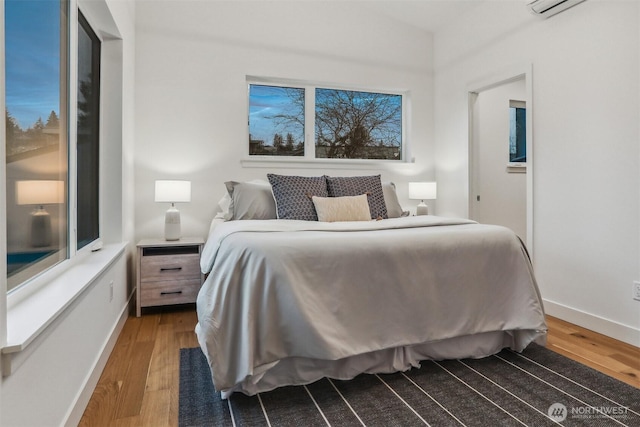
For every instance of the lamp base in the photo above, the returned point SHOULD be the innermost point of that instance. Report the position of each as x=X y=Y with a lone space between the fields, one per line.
x=172 y=224
x=422 y=209
x=40 y=228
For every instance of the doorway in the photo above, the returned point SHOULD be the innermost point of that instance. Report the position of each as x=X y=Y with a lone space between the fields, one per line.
x=500 y=157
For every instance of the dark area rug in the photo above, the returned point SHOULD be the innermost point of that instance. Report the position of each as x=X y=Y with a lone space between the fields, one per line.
x=535 y=388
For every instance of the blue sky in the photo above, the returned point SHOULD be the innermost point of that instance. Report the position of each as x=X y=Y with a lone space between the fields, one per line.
x=265 y=102
x=32 y=40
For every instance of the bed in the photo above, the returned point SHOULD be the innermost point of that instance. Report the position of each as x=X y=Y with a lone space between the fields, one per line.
x=290 y=301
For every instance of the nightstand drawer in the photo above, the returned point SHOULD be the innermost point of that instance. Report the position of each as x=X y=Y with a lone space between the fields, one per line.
x=169 y=292
x=169 y=267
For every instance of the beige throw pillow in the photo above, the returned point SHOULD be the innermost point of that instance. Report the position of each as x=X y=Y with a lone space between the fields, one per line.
x=347 y=208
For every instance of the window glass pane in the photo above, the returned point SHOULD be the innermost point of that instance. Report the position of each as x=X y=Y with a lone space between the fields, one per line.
x=276 y=120
x=358 y=125
x=88 y=155
x=36 y=136
x=517 y=135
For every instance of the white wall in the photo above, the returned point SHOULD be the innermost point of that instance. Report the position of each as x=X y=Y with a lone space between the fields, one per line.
x=585 y=144
x=56 y=367
x=192 y=59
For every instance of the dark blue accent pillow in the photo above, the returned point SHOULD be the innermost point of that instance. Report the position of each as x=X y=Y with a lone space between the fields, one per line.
x=357 y=185
x=293 y=195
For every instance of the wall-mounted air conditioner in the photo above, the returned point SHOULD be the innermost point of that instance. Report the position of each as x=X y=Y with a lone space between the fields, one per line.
x=547 y=8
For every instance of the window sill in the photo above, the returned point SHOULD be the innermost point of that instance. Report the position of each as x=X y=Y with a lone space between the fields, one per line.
x=516 y=167
x=29 y=318
x=297 y=163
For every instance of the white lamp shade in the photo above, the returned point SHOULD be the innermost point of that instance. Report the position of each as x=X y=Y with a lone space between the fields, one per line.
x=423 y=190
x=40 y=192
x=173 y=191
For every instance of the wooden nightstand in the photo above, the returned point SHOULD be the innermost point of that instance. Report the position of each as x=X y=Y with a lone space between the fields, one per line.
x=168 y=272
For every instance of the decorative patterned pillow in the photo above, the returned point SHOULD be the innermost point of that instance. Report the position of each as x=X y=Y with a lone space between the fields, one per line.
x=347 y=208
x=356 y=185
x=250 y=200
x=293 y=195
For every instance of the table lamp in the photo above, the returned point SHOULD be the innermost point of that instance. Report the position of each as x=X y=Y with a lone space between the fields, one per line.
x=422 y=191
x=40 y=193
x=172 y=192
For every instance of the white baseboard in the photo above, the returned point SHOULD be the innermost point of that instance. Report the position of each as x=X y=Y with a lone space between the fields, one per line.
x=607 y=327
x=82 y=399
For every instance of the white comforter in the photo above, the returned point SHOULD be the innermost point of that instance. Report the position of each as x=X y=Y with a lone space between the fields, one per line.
x=288 y=302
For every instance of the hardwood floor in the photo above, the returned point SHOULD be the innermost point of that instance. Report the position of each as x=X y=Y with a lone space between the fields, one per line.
x=139 y=385
x=612 y=357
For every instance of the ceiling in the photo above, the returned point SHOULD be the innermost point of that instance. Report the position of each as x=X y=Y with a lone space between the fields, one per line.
x=426 y=15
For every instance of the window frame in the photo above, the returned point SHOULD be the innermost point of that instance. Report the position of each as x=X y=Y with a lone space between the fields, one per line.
x=96 y=65
x=75 y=256
x=41 y=266
x=309 y=158
x=517 y=165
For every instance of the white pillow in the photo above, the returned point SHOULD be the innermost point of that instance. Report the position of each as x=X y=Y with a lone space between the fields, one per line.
x=223 y=206
x=394 y=210
x=250 y=200
x=346 y=208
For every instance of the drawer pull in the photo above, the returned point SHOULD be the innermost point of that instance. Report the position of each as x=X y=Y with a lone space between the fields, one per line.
x=171 y=269
x=171 y=293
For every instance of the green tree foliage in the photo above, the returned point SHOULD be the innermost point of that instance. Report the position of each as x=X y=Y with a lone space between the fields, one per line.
x=289 y=144
x=12 y=130
x=38 y=126
x=278 y=143
x=52 y=122
x=36 y=136
x=85 y=100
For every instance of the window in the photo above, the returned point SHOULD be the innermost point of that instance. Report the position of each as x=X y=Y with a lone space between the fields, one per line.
x=358 y=125
x=36 y=75
x=88 y=141
x=348 y=124
x=517 y=132
x=39 y=221
x=276 y=120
